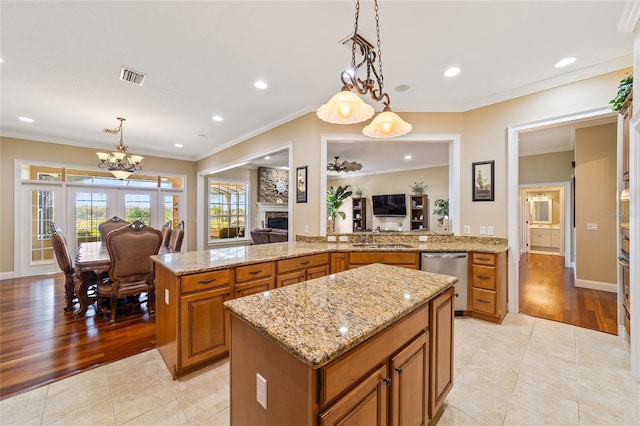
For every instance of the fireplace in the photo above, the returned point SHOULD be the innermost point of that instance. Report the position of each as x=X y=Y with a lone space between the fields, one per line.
x=273 y=215
x=278 y=222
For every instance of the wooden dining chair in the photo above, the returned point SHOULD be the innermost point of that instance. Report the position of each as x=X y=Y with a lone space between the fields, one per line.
x=65 y=263
x=114 y=223
x=132 y=271
x=166 y=237
x=177 y=235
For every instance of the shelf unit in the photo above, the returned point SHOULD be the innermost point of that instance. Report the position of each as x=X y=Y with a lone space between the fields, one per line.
x=359 y=207
x=419 y=216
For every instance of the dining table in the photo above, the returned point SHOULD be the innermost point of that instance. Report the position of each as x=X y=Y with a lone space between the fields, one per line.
x=92 y=261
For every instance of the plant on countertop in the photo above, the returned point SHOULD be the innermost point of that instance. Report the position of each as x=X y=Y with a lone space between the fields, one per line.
x=441 y=209
x=624 y=89
x=335 y=198
x=419 y=187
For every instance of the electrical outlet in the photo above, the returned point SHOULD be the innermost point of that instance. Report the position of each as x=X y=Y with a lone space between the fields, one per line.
x=489 y=230
x=423 y=238
x=343 y=238
x=592 y=226
x=467 y=229
x=306 y=229
x=331 y=238
x=261 y=390
x=483 y=230
x=166 y=296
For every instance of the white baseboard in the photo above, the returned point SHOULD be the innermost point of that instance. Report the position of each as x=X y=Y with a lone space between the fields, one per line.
x=6 y=275
x=597 y=285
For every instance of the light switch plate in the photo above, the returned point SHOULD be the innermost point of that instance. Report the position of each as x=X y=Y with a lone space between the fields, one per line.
x=306 y=229
x=344 y=238
x=423 y=238
x=261 y=390
x=489 y=230
x=483 y=230
x=331 y=238
x=592 y=226
x=467 y=229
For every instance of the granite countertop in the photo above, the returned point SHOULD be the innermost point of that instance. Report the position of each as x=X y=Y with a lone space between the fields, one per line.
x=319 y=320
x=209 y=260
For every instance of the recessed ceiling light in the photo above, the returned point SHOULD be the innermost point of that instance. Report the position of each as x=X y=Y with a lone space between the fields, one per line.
x=267 y=157
x=408 y=157
x=260 y=84
x=217 y=118
x=178 y=145
x=564 y=62
x=451 y=72
x=26 y=119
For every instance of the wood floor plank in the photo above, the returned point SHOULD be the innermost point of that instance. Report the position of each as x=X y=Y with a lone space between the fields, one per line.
x=547 y=290
x=40 y=343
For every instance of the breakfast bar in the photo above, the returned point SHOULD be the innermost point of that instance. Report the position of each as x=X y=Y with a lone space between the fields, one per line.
x=366 y=344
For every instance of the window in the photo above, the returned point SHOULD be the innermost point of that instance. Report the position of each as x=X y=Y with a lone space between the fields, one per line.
x=227 y=209
x=137 y=207
x=91 y=210
x=44 y=214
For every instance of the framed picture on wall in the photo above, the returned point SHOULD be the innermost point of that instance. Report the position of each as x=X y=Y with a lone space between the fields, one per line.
x=483 y=176
x=301 y=184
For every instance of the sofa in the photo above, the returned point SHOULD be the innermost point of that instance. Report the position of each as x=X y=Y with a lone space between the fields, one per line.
x=269 y=235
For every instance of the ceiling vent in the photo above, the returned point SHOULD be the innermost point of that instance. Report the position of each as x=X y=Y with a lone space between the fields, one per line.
x=131 y=76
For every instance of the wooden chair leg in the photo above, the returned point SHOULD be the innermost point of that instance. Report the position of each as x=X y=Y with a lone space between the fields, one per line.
x=69 y=292
x=114 y=308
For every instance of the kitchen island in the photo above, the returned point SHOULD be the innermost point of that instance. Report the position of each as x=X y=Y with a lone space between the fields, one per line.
x=364 y=346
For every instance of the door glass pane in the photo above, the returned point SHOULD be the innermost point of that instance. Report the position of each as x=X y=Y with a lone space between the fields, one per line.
x=137 y=207
x=42 y=205
x=91 y=210
x=171 y=210
x=227 y=209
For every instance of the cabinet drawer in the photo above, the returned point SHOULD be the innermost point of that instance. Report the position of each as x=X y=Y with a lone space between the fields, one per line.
x=294 y=277
x=254 y=272
x=204 y=281
x=365 y=258
x=302 y=262
x=483 y=277
x=483 y=300
x=483 y=259
x=318 y=271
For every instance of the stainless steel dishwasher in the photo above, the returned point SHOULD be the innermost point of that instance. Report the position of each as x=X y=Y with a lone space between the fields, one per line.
x=454 y=264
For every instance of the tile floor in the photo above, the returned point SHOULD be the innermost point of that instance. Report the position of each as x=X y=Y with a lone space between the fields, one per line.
x=527 y=371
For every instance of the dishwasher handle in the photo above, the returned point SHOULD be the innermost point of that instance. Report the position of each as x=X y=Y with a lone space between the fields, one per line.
x=445 y=256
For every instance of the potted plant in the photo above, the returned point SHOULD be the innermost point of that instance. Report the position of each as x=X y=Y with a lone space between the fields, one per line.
x=625 y=88
x=335 y=198
x=419 y=188
x=441 y=209
x=400 y=226
x=359 y=191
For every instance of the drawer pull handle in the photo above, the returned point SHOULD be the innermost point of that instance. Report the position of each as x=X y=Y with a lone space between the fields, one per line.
x=255 y=272
x=306 y=262
x=398 y=370
x=482 y=301
x=484 y=258
x=483 y=277
x=387 y=381
x=207 y=281
x=229 y=293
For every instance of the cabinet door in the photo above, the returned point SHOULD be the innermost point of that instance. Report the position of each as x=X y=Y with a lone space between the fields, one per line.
x=290 y=278
x=203 y=326
x=338 y=262
x=318 y=271
x=366 y=404
x=441 y=350
x=410 y=384
x=253 y=287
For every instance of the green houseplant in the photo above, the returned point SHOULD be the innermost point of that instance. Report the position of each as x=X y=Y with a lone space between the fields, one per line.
x=419 y=187
x=441 y=209
x=335 y=198
x=624 y=89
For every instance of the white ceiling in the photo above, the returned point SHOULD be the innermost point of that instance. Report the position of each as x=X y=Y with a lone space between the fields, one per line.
x=61 y=63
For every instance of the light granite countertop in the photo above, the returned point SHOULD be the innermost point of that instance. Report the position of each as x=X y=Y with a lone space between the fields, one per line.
x=318 y=320
x=209 y=260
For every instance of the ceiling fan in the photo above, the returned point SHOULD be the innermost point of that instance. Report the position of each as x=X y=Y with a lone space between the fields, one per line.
x=345 y=166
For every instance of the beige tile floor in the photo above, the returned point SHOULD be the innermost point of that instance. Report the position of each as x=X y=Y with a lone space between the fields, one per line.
x=527 y=371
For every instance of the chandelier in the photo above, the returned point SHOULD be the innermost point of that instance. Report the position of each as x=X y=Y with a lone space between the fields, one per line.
x=345 y=107
x=119 y=163
x=345 y=166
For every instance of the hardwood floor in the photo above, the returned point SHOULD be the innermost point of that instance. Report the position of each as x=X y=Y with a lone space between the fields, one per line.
x=547 y=290
x=40 y=343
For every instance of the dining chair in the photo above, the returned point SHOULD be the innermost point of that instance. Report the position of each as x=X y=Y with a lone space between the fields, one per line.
x=166 y=237
x=177 y=235
x=114 y=223
x=132 y=271
x=65 y=263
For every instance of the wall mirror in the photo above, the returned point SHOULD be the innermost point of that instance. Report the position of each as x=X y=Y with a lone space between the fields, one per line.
x=541 y=211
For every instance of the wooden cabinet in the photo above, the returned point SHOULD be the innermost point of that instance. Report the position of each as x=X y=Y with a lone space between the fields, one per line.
x=419 y=213
x=488 y=286
x=409 y=260
x=359 y=207
x=339 y=262
x=298 y=269
x=256 y=278
x=441 y=350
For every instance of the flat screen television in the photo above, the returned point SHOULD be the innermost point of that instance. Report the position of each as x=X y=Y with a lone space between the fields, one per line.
x=389 y=205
